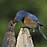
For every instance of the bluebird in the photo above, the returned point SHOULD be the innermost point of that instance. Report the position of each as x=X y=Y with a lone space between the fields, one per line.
x=30 y=21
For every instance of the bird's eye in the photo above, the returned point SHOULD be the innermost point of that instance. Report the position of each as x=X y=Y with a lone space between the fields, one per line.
x=11 y=25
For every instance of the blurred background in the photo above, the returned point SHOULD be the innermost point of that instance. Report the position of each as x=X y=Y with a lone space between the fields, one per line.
x=8 y=9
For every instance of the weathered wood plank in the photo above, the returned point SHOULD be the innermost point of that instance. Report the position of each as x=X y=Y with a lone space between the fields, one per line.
x=24 y=39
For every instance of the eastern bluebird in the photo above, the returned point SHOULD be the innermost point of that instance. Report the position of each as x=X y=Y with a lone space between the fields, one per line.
x=30 y=20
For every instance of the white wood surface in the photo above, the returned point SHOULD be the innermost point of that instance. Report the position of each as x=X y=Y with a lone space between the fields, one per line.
x=24 y=39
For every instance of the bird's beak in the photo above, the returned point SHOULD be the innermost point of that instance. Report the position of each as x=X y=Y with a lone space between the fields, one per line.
x=14 y=20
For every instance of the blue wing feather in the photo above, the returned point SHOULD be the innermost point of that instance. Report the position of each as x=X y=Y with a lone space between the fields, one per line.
x=22 y=13
x=33 y=17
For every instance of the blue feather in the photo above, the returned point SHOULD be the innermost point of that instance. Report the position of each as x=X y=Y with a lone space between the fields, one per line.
x=20 y=14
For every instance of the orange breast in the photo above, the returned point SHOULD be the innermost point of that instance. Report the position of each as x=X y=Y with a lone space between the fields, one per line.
x=29 y=22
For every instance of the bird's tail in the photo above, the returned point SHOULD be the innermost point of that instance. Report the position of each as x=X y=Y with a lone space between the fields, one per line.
x=42 y=33
x=45 y=26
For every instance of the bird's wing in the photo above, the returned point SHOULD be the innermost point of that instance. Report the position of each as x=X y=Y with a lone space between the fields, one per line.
x=34 y=18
